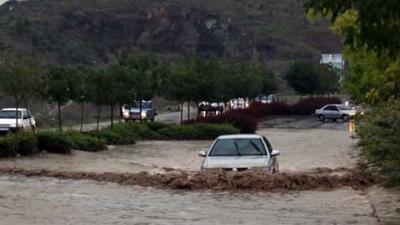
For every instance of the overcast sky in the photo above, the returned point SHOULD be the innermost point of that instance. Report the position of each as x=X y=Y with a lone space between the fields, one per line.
x=2 y=1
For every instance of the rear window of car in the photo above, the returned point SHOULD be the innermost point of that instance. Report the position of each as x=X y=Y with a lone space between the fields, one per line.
x=344 y=107
x=238 y=147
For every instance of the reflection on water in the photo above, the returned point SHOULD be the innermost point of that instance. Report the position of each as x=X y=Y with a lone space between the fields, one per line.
x=47 y=201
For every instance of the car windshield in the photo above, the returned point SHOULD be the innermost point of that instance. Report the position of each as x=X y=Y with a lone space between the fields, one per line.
x=145 y=105
x=345 y=107
x=9 y=114
x=238 y=147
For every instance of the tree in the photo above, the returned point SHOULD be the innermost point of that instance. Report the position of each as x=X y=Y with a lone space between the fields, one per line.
x=178 y=83
x=81 y=89
x=96 y=92
x=303 y=78
x=58 y=87
x=119 y=87
x=20 y=75
x=376 y=25
x=144 y=69
x=329 y=79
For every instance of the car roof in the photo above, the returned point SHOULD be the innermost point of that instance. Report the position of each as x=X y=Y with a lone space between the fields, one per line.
x=13 y=109
x=240 y=136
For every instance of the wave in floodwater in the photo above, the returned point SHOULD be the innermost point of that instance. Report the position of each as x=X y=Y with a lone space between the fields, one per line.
x=258 y=181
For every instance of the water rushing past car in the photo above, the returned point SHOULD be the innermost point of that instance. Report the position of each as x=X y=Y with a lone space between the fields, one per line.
x=240 y=153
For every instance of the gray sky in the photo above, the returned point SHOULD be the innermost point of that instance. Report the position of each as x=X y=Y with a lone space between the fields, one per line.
x=2 y=1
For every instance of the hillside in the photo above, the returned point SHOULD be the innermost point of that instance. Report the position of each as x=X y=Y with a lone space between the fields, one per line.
x=95 y=31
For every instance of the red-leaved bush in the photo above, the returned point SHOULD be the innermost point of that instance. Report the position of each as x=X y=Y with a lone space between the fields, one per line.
x=246 y=119
x=309 y=105
x=302 y=107
x=238 y=118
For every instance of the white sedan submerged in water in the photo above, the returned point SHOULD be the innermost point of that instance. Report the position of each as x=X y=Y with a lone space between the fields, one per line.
x=239 y=153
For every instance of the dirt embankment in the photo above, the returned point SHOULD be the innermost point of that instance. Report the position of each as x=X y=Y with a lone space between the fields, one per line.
x=323 y=179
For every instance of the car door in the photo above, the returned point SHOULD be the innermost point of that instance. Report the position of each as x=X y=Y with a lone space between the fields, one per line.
x=329 y=111
x=335 y=112
x=25 y=119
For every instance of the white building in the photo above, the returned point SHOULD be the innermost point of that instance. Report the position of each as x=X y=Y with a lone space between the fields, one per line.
x=336 y=60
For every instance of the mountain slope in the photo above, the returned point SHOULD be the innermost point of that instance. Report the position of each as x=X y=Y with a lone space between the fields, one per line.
x=95 y=31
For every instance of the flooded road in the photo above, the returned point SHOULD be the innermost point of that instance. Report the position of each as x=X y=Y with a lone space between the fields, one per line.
x=305 y=145
x=301 y=150
x=47 y=201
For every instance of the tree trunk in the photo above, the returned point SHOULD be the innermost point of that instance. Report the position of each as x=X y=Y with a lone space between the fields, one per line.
x=59 y=116
x=16 y=114
x=98 y=119
x=82 y=115
x=121 y=116
x=140 y=110
x=112 y=116
x=181 y=110
x=188 y=111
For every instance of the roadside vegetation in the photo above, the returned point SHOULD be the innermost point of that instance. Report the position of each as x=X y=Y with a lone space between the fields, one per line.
x=28 y=144
x=372 y=77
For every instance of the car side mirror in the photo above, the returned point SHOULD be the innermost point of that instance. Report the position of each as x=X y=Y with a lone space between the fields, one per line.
x=203 y=153
x=275 y=152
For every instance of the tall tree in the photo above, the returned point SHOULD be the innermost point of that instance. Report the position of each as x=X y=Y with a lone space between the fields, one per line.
x=81 y=89
x=59 y=87
x=376 y=25
x=97 y=92
x=144 y=68
x=303 y=78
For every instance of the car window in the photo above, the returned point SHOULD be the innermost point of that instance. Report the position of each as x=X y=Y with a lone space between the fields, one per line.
x=331 y=107
x=344 y=107
x=9 y=114
x=238 y=147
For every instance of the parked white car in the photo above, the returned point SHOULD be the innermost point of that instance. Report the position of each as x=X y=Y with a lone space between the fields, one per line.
x=8 y=120
x=239 y=153
x=335 y=112
x=239 y=103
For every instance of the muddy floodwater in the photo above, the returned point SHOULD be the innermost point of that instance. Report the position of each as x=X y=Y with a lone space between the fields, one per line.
x=301 y=150
x=47 y=201
x=306 y=146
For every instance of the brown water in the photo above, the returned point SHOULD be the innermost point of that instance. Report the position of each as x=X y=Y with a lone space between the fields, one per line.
x=48 y=201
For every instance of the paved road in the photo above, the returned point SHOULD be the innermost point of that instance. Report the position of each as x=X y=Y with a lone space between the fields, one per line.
x=169 y=117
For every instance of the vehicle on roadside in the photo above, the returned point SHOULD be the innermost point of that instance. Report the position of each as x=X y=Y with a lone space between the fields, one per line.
x=207 y=109
x=132 y=112
x=267 y=99
x=240 y=153
x=239 y=103
x=335 y=112
x=9 y=117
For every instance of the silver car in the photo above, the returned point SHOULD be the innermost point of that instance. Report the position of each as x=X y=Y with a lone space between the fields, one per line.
x=335 y=112
x=239 y=153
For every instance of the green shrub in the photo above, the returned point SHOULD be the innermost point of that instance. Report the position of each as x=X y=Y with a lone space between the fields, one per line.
x=145 y=131
x=379 y=131
x=54 y=142
x=117 y=137
x=156 y=126
x=86 y=142
x=8 y=147
x=197 y=131
x=26 y=144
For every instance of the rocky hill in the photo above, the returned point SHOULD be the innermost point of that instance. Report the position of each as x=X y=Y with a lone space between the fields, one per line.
x=95 y=31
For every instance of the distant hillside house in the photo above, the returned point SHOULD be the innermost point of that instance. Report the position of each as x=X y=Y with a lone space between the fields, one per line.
x=336 y=60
